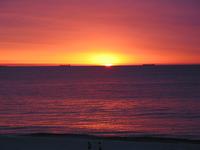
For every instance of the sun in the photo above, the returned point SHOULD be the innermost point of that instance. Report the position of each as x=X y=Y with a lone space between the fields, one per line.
x=108 y=65
x=105 y=59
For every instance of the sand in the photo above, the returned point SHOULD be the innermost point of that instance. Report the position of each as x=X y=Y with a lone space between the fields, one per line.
x=70 y=142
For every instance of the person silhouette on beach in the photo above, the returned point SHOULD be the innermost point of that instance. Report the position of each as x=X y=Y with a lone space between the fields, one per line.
x=89 y=146
x=100 y=148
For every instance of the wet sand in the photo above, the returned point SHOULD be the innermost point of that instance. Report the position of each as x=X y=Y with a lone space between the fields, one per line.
x=82 y=142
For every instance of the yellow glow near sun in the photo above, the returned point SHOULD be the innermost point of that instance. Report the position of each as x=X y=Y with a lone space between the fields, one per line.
x=108 y=65
x=107 y=60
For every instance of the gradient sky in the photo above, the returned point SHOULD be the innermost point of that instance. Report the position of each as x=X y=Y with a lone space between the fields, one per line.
x=93 y=31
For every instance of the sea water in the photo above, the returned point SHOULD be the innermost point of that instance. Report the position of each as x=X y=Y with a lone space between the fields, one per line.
x=161 y=101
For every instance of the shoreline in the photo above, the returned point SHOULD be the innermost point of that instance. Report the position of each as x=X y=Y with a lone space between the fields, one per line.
x=43 y=141
x=112 y=138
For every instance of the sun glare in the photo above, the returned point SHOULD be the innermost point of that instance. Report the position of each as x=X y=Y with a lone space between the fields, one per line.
x=107 y=60
x=108 y=65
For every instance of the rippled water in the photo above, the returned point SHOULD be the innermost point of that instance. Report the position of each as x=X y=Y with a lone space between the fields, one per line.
x=120 y=101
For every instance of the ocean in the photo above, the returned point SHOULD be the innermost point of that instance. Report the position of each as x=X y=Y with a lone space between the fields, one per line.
x=132 y=101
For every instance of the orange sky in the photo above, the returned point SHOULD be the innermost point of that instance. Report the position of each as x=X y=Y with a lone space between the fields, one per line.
x=93 y=32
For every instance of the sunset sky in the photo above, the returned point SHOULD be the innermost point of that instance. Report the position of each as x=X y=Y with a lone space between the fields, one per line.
x=99 y=32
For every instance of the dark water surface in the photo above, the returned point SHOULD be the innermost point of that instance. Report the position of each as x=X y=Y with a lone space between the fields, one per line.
x=121 y=101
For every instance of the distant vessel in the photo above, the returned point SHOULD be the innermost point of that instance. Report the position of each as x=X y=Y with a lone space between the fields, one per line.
x=3 y=66
x=65 y=65
x=148 y=65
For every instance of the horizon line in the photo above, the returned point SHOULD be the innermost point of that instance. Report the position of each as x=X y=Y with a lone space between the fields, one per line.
x=87 y=65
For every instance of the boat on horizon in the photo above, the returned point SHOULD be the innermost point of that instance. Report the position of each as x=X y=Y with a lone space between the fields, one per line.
x=148 y=65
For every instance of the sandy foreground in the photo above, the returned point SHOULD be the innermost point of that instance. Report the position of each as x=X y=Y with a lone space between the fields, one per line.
x=88 y=143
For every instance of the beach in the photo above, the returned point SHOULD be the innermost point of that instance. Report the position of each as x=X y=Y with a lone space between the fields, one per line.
x=78 y=142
